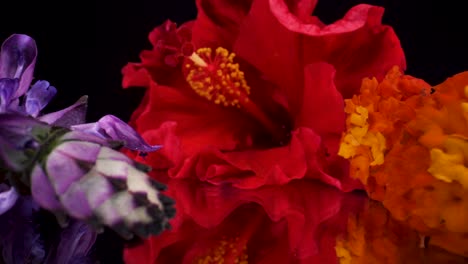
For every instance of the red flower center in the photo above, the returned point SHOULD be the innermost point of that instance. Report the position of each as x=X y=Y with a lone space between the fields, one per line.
x=218 y=78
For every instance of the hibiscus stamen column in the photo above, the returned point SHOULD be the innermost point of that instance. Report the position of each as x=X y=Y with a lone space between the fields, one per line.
x=218 y=79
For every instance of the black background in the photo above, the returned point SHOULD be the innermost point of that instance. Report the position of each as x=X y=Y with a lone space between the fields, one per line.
x=83 y=46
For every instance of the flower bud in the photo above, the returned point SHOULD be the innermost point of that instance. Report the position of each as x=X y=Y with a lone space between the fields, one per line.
x=89 y=181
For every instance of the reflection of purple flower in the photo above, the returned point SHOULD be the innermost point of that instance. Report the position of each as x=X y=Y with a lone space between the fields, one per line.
x=73 y=245
x=22 y=239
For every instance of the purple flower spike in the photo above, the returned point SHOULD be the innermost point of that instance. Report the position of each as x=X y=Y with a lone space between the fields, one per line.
x=17 y=60
x=111 y=127
x=38 y=97
x=7 y=198
x=7 y=89
x=92 y=182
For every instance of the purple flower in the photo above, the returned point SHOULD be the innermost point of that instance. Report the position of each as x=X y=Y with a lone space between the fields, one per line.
x=38 y=97
x=17 y=61
x=89 y=181
x=8 y=88
x=70 y=168
x=78 y=173
x=111 y=127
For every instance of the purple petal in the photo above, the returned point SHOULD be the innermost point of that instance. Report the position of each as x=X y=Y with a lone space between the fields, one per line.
x=42 y=190
x=116 y=208
x=113 y=169
x=80 y=150
x=17 y=60
x=7 y=89
x=62 y=171
x=7 y=198
x=99 y=190
x=79 y=135
x=86 y=195
x=74 y=201
x=72 y=115
x=110 y=127
x=38 y=97
x=111 y=154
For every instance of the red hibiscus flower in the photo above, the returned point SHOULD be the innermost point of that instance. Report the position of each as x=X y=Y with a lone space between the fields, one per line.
x=271 y=114
x=294 y=223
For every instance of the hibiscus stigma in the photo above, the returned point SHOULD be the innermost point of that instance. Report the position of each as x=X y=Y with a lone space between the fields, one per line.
x=216 y=77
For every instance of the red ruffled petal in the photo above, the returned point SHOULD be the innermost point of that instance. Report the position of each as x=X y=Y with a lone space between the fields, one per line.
x=322 y=108
x=280 y=40
x=200 y=123
x=248 y=169
x=217 y=23
x=161 y=63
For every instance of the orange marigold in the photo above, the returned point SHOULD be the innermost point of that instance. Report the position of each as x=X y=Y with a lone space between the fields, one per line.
x=412 y=152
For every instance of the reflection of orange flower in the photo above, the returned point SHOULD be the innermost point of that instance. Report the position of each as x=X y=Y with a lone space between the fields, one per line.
x=410 y=149
x=374 y=237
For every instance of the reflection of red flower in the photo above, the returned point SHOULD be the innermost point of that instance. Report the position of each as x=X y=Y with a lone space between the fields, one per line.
x=297 y=222
x=273 y=115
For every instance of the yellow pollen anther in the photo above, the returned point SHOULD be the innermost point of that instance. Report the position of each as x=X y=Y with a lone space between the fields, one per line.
x=217 y=78
x=225 y=251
